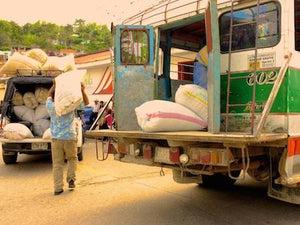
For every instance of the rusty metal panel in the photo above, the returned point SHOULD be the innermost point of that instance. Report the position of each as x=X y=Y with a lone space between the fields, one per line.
x=213 y=73
x=133 y=87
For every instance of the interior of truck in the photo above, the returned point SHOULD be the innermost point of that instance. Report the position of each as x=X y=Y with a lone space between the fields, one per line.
x=179 y=44
x=22 y=85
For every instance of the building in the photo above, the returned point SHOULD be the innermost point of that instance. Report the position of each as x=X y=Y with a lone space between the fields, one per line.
x=98 y=79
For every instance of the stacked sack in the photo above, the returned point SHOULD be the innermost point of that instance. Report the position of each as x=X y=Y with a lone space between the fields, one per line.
x=31 y=107
x=36 y=61
x=16 y=131
x=159 y=115
x=194 y=97
x=188 y=112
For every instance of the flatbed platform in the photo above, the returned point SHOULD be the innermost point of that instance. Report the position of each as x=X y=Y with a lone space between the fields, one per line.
x=191 y=136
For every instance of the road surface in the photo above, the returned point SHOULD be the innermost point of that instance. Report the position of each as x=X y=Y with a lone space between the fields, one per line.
x=111 y=193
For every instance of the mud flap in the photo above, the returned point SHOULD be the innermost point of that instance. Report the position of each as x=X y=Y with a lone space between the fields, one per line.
x=285 y=178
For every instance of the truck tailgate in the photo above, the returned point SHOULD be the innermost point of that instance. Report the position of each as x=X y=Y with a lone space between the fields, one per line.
x=191 y=136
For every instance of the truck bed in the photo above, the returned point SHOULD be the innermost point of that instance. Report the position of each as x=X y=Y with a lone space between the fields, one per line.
x=191 y=136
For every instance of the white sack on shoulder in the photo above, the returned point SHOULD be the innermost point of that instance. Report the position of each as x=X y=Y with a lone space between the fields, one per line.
x=41 y=94
x=40 y=126
x=47 y=134
x=17 y=99
x=22 y=62
x=24 y=113
x=16 y=131
x=158 y=115
x=30 y=100
x=193 y=97
x=68 y=94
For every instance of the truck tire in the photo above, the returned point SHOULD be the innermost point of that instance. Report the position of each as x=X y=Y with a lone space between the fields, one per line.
x=219 y=179
x=79 y=154
x=10 y=159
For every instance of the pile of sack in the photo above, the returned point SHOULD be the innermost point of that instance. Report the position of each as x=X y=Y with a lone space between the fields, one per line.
x=30 y=107
x=188 y=112
x=36 y=62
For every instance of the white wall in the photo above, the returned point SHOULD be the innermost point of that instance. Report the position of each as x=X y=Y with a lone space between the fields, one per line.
x=97 y=80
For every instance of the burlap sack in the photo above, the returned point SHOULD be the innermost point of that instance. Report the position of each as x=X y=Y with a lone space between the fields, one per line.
x=30 y=100
x=41 y=112
x=57 y=65
x=47 y=134
x=37 y=54
x=24 y=113
x=26 y=65
x=40 y=126
x=41 y=94
x=17 y=99
x=68 y=94
x=16 y=131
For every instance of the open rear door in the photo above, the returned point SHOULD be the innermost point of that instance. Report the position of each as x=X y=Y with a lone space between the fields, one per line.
x=213 y=71
x=133 y=72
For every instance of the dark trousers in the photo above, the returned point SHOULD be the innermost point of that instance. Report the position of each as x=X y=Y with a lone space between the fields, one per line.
x=93 y=117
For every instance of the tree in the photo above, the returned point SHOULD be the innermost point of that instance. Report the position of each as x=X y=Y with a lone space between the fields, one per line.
x=82 y=36
x=10 y=34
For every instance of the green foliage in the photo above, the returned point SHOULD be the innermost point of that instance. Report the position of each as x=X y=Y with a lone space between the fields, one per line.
x=82 y=36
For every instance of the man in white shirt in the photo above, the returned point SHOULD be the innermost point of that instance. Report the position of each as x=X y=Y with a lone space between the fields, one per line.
x=96 y=108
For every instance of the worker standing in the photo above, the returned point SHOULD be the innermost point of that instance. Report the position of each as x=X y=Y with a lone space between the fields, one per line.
x=64 y=142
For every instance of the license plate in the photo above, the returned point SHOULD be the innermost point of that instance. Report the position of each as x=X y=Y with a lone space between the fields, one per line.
x=39 y=146
x=162 y=155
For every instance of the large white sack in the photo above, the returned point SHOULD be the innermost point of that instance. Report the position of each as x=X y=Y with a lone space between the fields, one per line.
x=41 y=112
x=58 y=65
x=24 y=113
x=37 y=54
x=16 y=131
x=193 y=97
x=41 y=94
x=17 y=99
x=158 y=115
x=30 y=100
x=22 y=62
x=47 y=134
x=40 y=126
x=68 y=94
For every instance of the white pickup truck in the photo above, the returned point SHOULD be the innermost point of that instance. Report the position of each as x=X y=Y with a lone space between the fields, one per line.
x=35 y=145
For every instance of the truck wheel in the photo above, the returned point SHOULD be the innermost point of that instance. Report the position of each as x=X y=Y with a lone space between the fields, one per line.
x=79 y=154
x=219 y=179
x=10 y=159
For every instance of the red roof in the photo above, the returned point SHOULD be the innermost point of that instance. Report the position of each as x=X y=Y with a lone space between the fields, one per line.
x=67 y=51
x=91 y=57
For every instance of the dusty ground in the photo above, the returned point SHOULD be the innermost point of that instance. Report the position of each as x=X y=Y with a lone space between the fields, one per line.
x=111 y=193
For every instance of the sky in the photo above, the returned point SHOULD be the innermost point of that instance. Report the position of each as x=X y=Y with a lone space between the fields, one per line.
x=62 y=12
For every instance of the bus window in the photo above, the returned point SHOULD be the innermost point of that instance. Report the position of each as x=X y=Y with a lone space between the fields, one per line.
x=243 y=36
x=134 y=46
x=297 y=24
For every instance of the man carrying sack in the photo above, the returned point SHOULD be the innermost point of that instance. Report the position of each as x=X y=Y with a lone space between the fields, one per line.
x=64 y=140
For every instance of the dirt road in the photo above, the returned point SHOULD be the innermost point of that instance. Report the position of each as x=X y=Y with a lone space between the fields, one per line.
x=111 y=193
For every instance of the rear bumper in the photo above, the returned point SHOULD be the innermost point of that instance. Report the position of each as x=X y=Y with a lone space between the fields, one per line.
x=26 y=146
